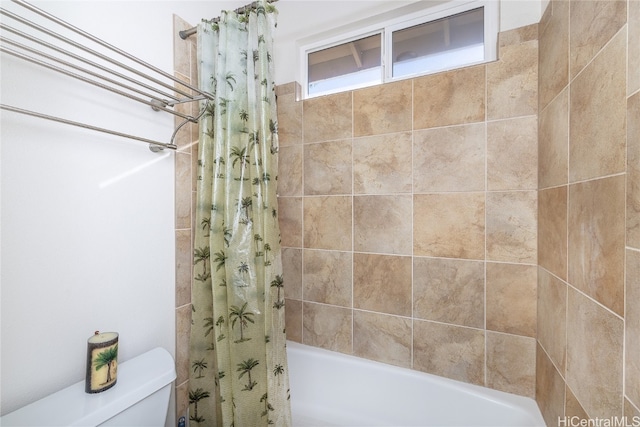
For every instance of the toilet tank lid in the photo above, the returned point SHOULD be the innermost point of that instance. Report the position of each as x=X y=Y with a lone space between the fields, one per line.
x=137 y=379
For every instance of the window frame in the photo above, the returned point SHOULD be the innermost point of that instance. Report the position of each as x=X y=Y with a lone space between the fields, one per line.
x=387 y=27
x=353 y=37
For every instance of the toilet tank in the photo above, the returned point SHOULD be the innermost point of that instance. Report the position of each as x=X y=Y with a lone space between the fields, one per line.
x=139 y=398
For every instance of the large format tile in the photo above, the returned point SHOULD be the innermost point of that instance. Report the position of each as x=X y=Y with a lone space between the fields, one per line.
x=597 y=123
x=290 y=170
x=552 y=230
x=449 y=98
x=572 y=406
x=382 y=109
x=291 y=88
x=293 y=319
x=595 y=339
x=181 y=61
x=382 y=283
x=183 y=193
x=553 y=69
x=449 y=159
x=290 y=221
x=327 y=277
x=632 y=327
x=512 y=154
x=382 y=337
x=327 y=326
x=511 y=364
x=449 y=225
x=552 y=317
x=633 y=63
x=183 y=330
x=289 y=120
x=449 y=291
x=553 y=142
x=550 y=389
x=512 y=298
x=381 y=224
x=512 y=219
x=328 y=222
x=327 y=118
x=382 y=164
x=292 y=272
x=593 y=24
x=512 y=81
x=633 y=171
x=631 y=411
x=450 y=351
x=184 y=267
x=327 y=168
x=518 y=35
x=596 y=236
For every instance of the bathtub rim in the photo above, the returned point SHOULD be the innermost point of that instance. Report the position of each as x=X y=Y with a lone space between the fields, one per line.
x=525 y=404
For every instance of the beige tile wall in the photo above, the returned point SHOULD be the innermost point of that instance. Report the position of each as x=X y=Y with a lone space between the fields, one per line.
x=185 y=69
x=408 y=214
x=588 y=358
x=408 y=210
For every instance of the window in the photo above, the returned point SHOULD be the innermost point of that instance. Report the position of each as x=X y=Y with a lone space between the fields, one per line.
x=436 y=45
x=449 y=36
x=350 y=65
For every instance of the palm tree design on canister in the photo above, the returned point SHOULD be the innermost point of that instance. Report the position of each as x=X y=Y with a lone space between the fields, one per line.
x=102 y=362
x=109 y=359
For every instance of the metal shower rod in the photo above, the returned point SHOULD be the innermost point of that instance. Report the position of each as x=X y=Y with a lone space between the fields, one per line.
x=185 y=34
x=147 y=87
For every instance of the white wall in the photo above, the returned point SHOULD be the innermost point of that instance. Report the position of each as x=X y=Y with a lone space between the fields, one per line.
x=518 y=13
x=87 y=218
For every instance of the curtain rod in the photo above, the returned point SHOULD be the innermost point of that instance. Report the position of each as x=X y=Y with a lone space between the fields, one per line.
x=185 y=34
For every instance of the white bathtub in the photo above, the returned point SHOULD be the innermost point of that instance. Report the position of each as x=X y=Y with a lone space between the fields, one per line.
x=334 y=389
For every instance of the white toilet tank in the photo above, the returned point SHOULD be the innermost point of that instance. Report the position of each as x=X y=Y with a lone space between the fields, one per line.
x=139 y=398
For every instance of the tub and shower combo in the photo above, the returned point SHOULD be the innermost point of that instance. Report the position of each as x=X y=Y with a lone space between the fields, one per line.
x=327 y=389
x=334 y=389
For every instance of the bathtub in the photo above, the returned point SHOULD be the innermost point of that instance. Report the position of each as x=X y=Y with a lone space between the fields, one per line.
x=334 y=389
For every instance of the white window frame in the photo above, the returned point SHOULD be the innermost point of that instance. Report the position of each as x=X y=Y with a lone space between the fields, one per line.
x=386 y=29
x=340 y=41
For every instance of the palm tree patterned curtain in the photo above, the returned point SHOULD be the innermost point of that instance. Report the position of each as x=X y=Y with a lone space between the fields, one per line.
x=239 y=374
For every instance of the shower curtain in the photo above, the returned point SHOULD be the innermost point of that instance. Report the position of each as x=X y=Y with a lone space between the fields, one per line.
x=239 y=374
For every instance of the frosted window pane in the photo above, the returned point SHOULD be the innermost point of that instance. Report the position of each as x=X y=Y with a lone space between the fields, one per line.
x=345 y=66
x=438 y=45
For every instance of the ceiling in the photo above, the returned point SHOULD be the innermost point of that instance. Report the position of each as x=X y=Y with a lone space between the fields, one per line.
x=302 y=18
x=298 y=19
